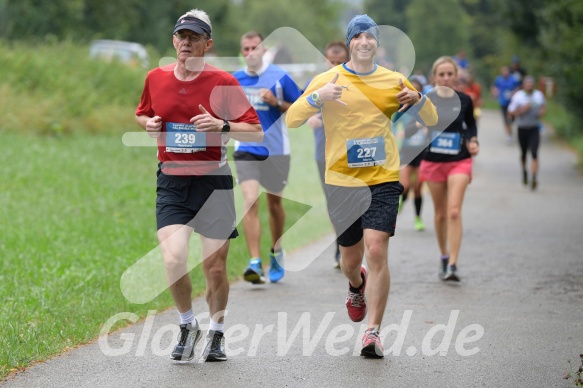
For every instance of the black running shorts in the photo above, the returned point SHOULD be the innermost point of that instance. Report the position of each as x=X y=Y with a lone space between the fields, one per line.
x=353 y=209
x=205 y=203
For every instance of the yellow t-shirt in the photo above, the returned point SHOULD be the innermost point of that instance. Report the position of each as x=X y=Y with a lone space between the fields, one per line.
x=360 y=146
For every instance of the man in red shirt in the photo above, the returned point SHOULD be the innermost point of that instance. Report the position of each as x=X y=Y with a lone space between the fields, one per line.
x=193 y=109
x=474 y=90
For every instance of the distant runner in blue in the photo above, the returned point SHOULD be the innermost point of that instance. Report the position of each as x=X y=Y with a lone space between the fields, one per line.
x=271 y=91
x=505 y=85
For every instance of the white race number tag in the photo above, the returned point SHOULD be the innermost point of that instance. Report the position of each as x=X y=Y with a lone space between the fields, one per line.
x=445 y=143
x=366 y=152
x=182 y=138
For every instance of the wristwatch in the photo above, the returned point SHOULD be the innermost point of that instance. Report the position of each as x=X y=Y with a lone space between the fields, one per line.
x=317 y=100
x=226 y=126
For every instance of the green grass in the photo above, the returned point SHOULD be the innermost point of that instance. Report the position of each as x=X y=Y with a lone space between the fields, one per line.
x=57 y=88
x=490 y=103
x=559 y=119
x=565 y=128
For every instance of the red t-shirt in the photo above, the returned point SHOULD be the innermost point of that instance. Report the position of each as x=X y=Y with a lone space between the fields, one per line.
x=475 y=92
x=176 y=102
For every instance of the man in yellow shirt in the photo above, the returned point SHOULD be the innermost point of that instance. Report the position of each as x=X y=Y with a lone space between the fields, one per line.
x=357 y=100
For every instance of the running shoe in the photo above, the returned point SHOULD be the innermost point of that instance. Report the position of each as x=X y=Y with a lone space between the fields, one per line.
x=451 y=274
x=524 y=178
x=356 y=302
x=187 y=339
x=533 y=184
x=276 y=270
x=443 y=267
x=419 y=225
x=254 y=272
x=371 y=344
x=215 y=347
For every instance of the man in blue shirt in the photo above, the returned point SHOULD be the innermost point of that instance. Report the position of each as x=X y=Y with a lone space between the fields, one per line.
x=271 y=91
x=462 y=61
x=505 y=85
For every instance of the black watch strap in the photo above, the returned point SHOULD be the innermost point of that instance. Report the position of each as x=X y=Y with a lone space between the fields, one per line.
x=226 y=126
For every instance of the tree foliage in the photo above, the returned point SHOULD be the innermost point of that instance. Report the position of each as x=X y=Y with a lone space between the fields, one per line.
x=546 y=34
x=151 y=21
x=316 y=20
x=523 y=18
x=561 y=36
x=436 y=29
x=484 y=18
x=30 y=18
x=388 y=12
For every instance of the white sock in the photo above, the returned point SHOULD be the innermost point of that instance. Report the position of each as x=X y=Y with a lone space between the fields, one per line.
x=187 y=317
x=215 y=326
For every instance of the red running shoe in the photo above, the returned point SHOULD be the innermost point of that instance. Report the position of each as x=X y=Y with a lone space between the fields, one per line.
x=371 y=344
x=356 y=302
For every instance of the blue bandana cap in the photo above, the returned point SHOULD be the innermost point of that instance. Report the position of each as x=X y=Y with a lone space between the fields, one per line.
x=360 y=24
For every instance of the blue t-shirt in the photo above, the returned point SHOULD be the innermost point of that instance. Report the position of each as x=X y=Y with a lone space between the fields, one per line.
x=276 y=79
x=462 y=62
x=505 y=87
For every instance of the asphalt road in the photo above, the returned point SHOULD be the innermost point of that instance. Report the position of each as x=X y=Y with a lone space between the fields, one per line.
x=515 y=319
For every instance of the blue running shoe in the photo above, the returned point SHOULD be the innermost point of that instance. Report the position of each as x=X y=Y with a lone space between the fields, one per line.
x=254 y=272
x=276 y=270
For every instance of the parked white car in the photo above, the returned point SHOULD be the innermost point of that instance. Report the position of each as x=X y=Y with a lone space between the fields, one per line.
x=126 y=52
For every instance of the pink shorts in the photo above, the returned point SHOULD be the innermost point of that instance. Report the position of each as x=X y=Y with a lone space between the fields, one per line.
x=439 y=171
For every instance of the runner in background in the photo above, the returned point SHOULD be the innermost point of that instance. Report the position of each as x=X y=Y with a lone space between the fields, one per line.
x=411 y=153
x=518 y=72
x=447 y=164
x=271 y=91
x=527 y=107
x=462 y=62
x=505 y=85
x=467 y=85
x=474 y=90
